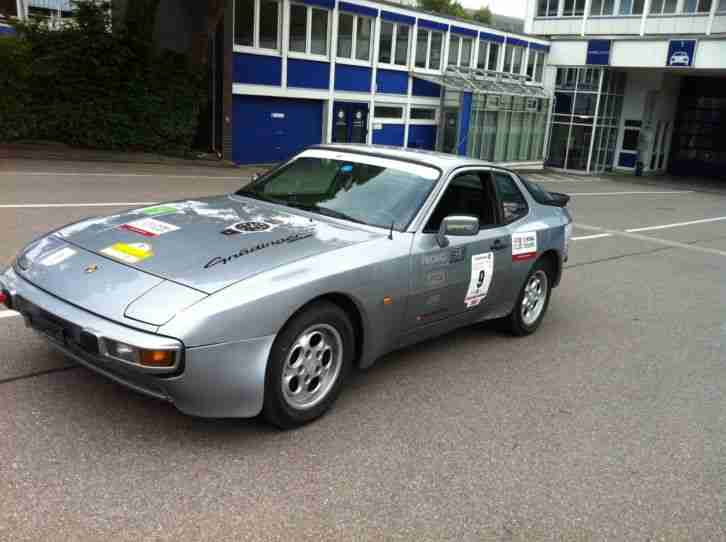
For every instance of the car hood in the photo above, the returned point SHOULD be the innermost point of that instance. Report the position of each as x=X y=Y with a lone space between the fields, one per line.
x=210 y=243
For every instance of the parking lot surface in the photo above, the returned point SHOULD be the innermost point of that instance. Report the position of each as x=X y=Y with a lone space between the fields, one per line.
x=609 y=423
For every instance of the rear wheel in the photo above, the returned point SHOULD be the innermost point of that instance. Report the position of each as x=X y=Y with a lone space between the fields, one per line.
x=532 y=301
x=309 y=361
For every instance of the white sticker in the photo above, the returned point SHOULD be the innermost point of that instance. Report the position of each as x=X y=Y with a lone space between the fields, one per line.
x=482 y=269
x=58 y=257
x=568 y=236
x=524 y=245
x=149 y=227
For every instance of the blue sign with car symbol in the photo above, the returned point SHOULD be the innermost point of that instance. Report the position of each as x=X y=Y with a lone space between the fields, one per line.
x=681 y=53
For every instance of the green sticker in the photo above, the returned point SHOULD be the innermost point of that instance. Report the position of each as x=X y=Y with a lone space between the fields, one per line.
x=160 y=210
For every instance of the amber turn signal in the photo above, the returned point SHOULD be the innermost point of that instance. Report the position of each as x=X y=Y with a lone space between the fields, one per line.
x=157 y=358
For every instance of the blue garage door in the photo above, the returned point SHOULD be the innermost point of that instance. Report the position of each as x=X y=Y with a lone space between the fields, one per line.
x=273 y=129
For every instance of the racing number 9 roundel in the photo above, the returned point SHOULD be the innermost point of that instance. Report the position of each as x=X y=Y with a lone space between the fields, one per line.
x=482 y=268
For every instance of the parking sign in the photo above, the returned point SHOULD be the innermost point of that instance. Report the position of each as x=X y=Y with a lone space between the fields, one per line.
x=681 y=53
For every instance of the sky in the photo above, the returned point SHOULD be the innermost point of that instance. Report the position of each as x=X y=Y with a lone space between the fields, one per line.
x=513 y=8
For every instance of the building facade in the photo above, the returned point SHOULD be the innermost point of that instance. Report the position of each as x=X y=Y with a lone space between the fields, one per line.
x=639 y=84
x=311 y=71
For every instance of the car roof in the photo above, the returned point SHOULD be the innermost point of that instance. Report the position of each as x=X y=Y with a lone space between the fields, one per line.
x=436 y=159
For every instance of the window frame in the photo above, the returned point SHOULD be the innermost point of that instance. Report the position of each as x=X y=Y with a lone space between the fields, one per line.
x=353 y=58
x=630 y=12
x=389 y=120
x=549 y=12
x=500 y=202
x=537 y=72
x=255 y=47
x=699 y=4
x=460 y=47
x=394 y=46
x=514 y=48
x=429 y=39
x=308 y=32
x=490 y=190
x=423 y=122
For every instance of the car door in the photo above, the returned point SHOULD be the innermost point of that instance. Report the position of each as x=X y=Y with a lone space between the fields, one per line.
x=462 y=279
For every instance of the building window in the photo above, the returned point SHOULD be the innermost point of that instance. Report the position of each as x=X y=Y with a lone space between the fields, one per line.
x=697 y=6
x=488 y=56
x=257 y=23
x=547 y=8
x=722 y=6
x=423 y=113
x=429 y=45
x=631 y=7
x=460 y=51
x=388 y=112
x=574 y=8
x=513 y=57
x=308 y=30
x=535 y=65
x=393 y=48
x=354 y=37
x=658 y=7
x=605 y=7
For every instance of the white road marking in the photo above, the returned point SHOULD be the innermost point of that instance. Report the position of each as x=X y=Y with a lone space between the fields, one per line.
x=677 y=224
x=653 y=192
x=656 y=240
x=64 y=174
x=50 y=205
x=8 y=314
x=596 y=236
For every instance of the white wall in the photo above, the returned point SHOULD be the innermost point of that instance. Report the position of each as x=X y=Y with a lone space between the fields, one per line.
x=568 y=53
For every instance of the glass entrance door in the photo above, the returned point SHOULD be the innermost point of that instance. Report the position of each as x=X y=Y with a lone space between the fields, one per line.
x=350 y=122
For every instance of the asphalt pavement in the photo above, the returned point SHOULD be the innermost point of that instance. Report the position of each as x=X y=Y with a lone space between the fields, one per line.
x=608 y=424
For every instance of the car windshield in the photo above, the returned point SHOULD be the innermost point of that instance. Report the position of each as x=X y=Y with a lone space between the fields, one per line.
x=368 y=190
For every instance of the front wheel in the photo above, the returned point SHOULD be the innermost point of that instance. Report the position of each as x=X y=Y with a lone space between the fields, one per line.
x=309 y=361
x=532 y=302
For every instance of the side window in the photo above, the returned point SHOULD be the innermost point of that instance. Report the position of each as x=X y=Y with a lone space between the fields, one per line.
x=467 y=194
x=514 y=206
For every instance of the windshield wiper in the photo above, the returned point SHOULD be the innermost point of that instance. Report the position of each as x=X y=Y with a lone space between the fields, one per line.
x=324 y=211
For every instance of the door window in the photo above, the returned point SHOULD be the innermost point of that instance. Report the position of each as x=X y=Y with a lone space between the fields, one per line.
x=513 y=204
x=469 y=194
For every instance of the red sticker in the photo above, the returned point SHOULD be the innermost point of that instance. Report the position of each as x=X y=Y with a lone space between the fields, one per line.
x=134 y=229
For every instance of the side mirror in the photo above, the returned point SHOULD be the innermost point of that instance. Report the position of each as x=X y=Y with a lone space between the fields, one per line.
x=254 y=177
x=457 y=226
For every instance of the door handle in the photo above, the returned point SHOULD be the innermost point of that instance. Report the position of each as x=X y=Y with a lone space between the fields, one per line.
x=498 y=245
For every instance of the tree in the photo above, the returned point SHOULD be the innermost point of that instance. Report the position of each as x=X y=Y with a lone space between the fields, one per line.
x=445 y=7
x=483 y=15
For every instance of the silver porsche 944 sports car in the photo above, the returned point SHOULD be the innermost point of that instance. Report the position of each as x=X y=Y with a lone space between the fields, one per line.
x=263 y=300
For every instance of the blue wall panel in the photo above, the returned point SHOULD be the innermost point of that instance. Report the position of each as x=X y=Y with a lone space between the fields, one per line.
x=424 y=88
x=257 y=69
x=392 y=82
x=397 y=18
x=389 y=134
x=267 y=130
x=626 y=159
x=431 y=25
x=463 y=31
x=464 y=118
x=307 y=73
x=355 y=8
x=422 y=137
x=353 y=78
x=496 y=38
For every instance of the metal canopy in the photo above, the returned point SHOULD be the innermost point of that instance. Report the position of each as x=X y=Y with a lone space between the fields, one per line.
x=479 y=81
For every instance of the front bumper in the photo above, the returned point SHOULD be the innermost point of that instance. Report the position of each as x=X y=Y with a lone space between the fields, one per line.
x=220 y=380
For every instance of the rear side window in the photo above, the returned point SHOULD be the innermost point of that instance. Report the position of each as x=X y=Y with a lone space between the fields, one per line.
x=514 y=206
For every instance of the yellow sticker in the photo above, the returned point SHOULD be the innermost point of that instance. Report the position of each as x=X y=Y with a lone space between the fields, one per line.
x=129 y=252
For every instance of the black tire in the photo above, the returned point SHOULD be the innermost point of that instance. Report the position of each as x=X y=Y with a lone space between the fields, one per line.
x=515 y=322
x=277 y=409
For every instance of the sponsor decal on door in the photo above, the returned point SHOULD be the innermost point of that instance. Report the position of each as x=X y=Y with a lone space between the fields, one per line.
x=524 y=246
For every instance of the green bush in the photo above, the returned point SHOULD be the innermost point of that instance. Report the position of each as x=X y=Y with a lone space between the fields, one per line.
x=87 y=86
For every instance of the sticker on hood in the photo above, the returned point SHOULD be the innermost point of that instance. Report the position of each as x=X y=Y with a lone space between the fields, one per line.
x=129 y=252
x=248 y=227
x=524 y=245
x=482 y=269
x=149 y=227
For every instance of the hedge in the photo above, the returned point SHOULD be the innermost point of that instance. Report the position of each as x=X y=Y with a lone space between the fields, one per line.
x=87 y=86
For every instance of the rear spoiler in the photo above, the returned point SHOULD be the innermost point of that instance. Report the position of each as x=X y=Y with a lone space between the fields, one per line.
x=558 y=199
